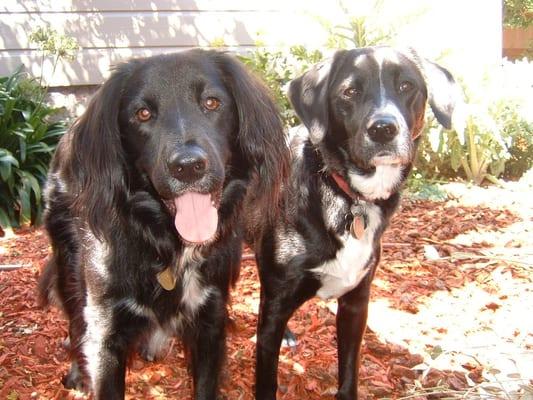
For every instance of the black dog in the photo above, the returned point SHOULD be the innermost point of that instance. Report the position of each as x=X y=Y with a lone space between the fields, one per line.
x=143 y=200
x=364 y=112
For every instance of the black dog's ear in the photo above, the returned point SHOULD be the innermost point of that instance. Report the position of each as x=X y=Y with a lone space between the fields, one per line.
x=96 y=163
x=443 y=91
x=261 y=135
x=308 y=96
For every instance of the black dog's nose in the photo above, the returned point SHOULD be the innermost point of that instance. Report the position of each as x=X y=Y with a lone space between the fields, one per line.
x=189 y=164
x=383 y=130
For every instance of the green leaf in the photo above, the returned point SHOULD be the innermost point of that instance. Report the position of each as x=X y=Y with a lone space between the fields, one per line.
x=28 y=180
x=42 y=169
x=39 y=147
x=5 y=221
x=7 y=157
x=7 y=161
x=455 y=157
x=24 y=194
x=22 y=149
x=26 y=114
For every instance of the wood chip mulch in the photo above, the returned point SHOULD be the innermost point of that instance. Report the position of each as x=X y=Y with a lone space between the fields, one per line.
x=32 y=360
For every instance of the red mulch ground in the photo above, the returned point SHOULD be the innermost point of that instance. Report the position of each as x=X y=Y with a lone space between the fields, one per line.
x=32 y=360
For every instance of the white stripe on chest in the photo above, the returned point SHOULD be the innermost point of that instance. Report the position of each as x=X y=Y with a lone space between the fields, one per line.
x=341 y=274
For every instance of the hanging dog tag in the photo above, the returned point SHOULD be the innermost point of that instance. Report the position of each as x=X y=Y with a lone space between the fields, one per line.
x=166 y=279
x=357 y=229
x=358 y=226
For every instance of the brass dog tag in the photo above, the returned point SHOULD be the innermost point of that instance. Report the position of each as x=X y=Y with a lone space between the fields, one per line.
x=166 y=279
x=358 y=226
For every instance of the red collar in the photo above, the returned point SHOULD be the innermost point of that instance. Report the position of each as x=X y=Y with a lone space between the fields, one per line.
x=341 y=183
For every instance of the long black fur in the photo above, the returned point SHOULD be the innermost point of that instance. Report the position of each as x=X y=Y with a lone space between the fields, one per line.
x=108 y=190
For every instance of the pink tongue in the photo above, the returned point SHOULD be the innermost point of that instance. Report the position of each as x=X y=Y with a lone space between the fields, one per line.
x=196 y=218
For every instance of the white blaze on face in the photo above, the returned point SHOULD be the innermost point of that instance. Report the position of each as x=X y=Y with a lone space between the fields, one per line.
x=387 y=106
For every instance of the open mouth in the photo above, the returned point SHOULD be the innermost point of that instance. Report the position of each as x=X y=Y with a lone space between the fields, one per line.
x=195 y=216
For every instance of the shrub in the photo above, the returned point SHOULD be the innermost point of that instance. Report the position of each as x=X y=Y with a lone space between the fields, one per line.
x=517 y=13
x=27 y=140
x=278 y=68
x=497 y=136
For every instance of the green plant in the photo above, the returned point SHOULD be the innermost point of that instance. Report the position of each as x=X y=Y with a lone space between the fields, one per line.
x=366 y=27
x=52 y=43
x=278 y=68
x=28 y=135
x=497 y=136
x=421 y=188
x=517 y=13
x=27 y=141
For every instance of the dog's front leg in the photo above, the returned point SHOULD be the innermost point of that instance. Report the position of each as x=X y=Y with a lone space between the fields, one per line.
x=104 y=352
x=351 y=324
x=274 y=313
x=205 y=341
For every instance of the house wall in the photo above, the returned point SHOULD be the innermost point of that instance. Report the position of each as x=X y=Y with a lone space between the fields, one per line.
x=517 y=42
x=111 y=31
x=463 y=33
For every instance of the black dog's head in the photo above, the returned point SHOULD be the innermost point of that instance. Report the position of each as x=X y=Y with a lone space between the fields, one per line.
x=180 y=126
x=177 y=120
x=364 y=109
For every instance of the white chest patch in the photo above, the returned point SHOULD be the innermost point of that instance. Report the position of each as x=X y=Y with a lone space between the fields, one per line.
x=344 y=272
x=195 y=292
x=380 y=185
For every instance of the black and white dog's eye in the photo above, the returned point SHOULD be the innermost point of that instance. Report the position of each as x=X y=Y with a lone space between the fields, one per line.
x=350 y=92
x=212 y=104
x=405 y=86
x=143 y=114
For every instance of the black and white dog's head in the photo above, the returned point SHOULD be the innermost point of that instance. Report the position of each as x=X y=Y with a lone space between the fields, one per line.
x=180 y=126
x=364 y=109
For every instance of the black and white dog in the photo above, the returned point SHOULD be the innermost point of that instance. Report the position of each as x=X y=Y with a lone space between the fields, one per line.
x=143 y=200
x=363 y=113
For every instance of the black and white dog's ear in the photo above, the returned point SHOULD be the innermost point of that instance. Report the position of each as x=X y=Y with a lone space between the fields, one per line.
x=308 y=96
x=444 y=94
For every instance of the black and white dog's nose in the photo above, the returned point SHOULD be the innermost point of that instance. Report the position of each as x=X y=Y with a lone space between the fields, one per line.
x=383 y=130
x=189 y=164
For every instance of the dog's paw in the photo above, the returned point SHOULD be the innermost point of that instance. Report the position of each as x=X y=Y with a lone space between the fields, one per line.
x=289 y=339
x=74 y=379
x=148 y=354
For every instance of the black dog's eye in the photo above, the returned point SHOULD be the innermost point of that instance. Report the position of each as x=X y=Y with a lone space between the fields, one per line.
x=211 y=104
x=350 y=92
x=405 y=86
x=143 y=114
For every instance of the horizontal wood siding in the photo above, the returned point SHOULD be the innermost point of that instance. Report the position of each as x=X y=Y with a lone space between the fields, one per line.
x=111 y=31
